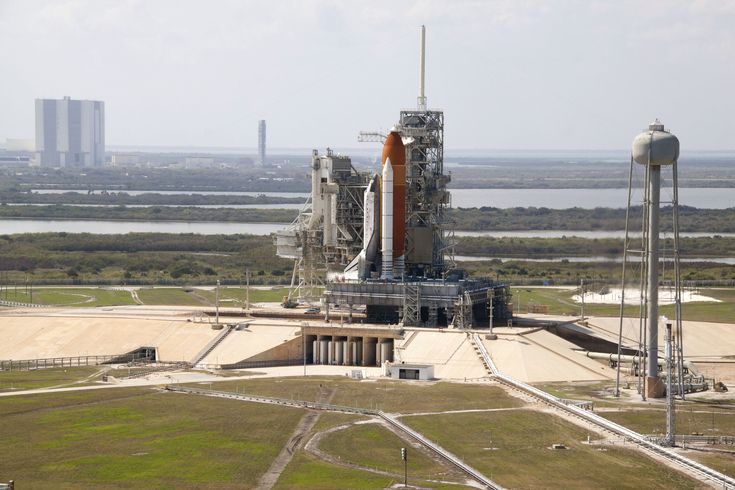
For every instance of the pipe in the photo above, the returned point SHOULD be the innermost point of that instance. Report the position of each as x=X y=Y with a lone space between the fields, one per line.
x=625 y=358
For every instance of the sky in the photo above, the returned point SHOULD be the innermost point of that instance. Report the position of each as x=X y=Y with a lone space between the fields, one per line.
x=509 y=74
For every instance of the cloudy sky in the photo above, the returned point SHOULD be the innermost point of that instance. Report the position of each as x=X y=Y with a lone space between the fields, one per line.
x=513 y=74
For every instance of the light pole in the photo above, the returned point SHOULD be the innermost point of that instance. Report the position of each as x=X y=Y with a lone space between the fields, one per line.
x=216 y=302
x=404 y=457
x=247 y=290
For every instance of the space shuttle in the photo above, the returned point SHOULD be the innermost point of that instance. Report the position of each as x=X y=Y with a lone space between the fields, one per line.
x=384 y=218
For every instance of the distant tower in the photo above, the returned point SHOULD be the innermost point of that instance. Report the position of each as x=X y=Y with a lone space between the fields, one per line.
x=261 y=142
x=654 y=148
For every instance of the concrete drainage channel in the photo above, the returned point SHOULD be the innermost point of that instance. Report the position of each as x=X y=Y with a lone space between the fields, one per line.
x=691 y=466
x=390 y=419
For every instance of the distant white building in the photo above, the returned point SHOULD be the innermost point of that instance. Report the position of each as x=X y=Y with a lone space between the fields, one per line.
x=70 y=132
x=123 y=159
x=198 y=161
x=20 y=144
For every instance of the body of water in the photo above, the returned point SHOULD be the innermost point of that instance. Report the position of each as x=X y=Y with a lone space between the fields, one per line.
x=302 y=195
x=10 y=226
x=711 y=198
x=213 y=206
x=484 y=258
x=580 y=234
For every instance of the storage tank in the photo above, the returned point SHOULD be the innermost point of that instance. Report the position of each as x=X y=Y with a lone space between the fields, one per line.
x=323 y=350
x=339 y=352
x=394 y=150
x=345 y=353
x=314 y=347
x=655 y=146
x=386 y=352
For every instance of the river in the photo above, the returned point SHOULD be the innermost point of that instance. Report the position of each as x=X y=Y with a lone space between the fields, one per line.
x=485 y=258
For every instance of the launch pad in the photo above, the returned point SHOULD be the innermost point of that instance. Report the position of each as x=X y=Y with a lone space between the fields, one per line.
x=382 y=240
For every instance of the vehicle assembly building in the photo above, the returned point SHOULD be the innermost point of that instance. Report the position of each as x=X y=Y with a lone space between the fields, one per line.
x=382 y=240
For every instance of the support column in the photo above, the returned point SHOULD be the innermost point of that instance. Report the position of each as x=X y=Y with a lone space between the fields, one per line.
x=654 y=386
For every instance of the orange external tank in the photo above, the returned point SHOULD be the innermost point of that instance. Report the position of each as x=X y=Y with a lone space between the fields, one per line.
x=393 y=148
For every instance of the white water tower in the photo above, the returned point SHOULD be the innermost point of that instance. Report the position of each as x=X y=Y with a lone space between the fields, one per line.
x=654 y=148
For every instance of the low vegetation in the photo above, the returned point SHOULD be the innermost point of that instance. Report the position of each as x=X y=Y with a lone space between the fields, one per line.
x=514 y=449
x=44 y=378
x=139 y=438
x=182 y=259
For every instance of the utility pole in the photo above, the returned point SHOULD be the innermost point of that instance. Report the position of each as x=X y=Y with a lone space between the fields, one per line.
x=216 y=302
x=247 y=290
x=404 y=457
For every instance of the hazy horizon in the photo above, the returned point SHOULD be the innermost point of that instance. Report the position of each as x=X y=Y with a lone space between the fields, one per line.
x=510 y=76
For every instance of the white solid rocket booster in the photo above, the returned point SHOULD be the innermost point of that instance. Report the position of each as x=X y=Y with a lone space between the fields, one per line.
x=386 y=223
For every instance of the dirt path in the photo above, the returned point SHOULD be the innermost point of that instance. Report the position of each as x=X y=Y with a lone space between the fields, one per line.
x=134 y=294
x=307 y=422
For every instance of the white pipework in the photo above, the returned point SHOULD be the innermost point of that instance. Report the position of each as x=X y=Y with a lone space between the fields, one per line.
x=422 y=71
x=386 y=223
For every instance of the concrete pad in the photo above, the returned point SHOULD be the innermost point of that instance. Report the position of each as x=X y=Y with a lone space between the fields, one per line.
x=35 y=337
x=542 y=356
x=242 y=344
x=450 y=352
x=701 y=339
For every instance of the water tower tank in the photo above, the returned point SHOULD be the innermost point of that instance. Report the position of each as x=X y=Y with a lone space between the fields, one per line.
x=662 y=146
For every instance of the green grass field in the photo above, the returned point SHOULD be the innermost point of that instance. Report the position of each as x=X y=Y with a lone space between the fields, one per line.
x=690 y=419
x=137 y=438
x=43 y=378
x=724 y=463
x=512 y=448
x=232 y=296
x=560 y=302
x=169 y=296
x=70 y=296
x=125 y=438
x=374 y=446
x=387 y=395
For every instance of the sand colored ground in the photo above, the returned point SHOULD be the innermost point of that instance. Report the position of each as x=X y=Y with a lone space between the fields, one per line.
x=242 y=344
x=701 y=339
x=632 y=297
x=450 y=352
x=542 y=356
x=33 y=337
